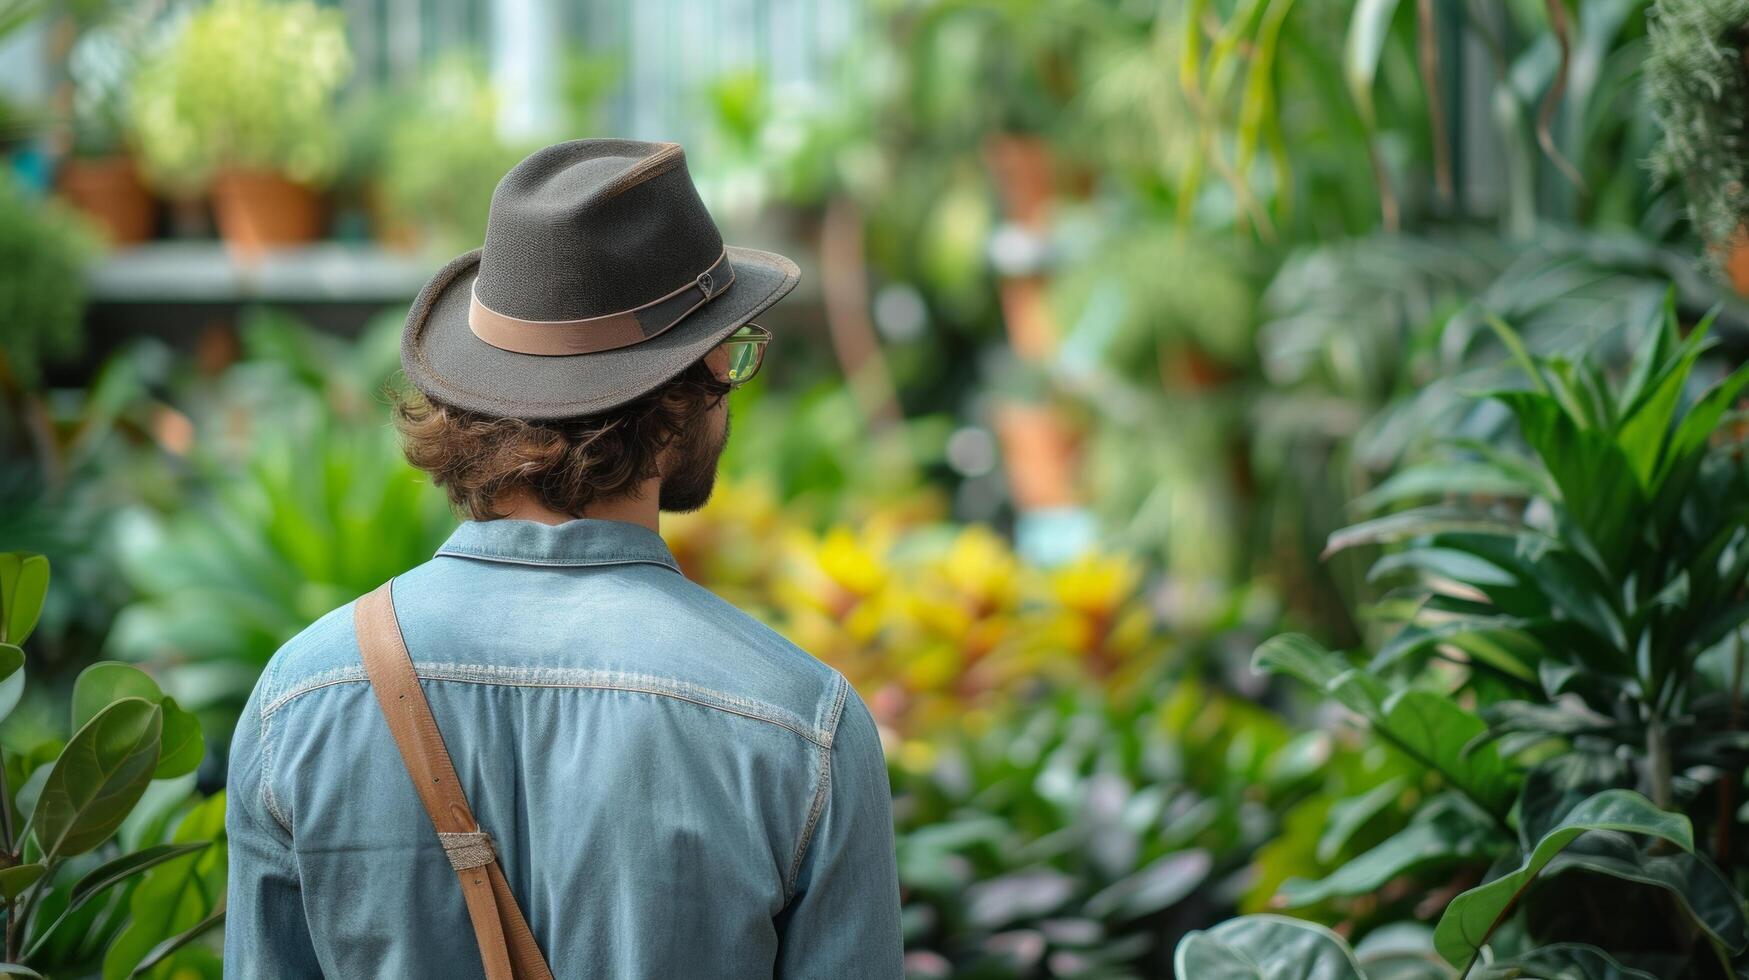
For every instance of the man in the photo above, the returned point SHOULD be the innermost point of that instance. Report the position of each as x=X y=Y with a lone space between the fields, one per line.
x=670 y=788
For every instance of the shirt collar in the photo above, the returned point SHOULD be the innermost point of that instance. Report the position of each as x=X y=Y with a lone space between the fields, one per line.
x=585 y=541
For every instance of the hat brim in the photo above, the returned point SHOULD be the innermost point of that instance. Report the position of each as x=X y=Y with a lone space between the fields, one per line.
x=442 y=357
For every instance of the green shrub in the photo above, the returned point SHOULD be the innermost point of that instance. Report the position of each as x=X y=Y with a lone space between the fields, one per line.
x=1699 y=87
x=93 y=813
x=1571 y=668
x=245 y=84
x=43 y=249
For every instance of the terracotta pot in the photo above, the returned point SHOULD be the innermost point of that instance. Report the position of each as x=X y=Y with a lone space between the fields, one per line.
x=258 y=210
x=109 y=191
x=1024 y=172
x=1039 y=452
x=1735 y=261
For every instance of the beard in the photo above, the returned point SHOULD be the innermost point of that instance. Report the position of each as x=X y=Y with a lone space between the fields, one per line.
x=692 y=470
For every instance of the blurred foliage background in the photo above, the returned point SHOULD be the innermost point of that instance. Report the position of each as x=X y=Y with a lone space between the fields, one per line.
x=1114 y=312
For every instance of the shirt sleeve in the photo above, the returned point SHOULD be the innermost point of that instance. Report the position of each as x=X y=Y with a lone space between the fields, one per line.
x=266 y=934
x=842 y=920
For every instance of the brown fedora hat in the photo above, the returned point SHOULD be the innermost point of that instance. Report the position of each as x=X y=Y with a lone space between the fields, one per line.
x=602 y=277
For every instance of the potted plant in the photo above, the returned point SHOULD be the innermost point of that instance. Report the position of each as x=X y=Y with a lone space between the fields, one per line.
x=240 y=102
x=99 y=177
x=1569 y=676
x=1699 y=83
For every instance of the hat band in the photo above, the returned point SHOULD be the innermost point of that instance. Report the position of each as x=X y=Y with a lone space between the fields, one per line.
x=598 y=333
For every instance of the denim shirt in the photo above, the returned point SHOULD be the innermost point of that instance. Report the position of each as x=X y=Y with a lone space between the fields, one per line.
x=674 y=790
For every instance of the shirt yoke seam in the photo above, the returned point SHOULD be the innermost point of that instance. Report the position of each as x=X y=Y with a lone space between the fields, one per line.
x=559 y=678
x=821 y=792
x=481 y=554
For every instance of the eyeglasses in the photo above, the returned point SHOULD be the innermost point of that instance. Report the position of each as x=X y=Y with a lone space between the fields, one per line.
x=746 y=348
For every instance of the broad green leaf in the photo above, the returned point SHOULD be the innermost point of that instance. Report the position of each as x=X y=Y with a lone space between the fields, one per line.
x=103 y=683
x=1441 y=835
x=178 y=895
x=1301 y=656
x=1473 y=916
x=1158 y=886
x=11 y=678
x=1560 y=961
x=1446 y=478
x=98 y=778
x=1265 y=947
x=1643 y=432
x=100 y=879
x=1696 y=428
x=1447 y=563
x=1433 y=730
x=1348 y=817
x=1413 y=524
x=1368 y=28
x=1703 y=894
x=183 y=746
x=1401 y=951
x=1416 y=638
x=106 y=682
x=14 y=880
x=24 y=582
x=160 y=952
x=1597 y=484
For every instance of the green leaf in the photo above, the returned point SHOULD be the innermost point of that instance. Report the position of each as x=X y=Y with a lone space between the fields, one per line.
x=11 y=678
x=14 y=880
x=106 y=682
x=1413 y=524
x=1436 y=732
x=1597 y=484
x=1442 y=834
x=1367 y=30
x=24 y=582
x=1647 y=425
x=102 y=878
x=1301 y=656
x=178 y=895
x=1349 y=816
x=19 y=970
x=1560 y=961
x=1427 y=727
x=1444 y=479
x=183 y=745
x=98 y=778
x=1696 y=885
x=159 y=952
x=1265 y=947
x=1473 y=916
x=1158 y=886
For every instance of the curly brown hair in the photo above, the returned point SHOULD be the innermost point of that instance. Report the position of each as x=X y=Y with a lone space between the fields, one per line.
x=565 y=464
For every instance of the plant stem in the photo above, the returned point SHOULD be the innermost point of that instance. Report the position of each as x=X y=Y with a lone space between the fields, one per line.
x=15 y=927
x=1658 y=762
x=1728 y=785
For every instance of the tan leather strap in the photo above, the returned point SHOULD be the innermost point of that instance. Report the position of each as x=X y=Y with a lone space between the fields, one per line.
x=507 y=946
x=598 y=333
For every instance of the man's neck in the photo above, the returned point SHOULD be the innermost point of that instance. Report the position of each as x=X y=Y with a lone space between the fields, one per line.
x=639 y=508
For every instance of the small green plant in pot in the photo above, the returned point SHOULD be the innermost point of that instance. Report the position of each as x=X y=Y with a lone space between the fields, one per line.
x=70 y=876
x=240 y=102
x=1569 y=674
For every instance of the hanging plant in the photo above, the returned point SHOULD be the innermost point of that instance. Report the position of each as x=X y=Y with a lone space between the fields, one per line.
x=1699 y=84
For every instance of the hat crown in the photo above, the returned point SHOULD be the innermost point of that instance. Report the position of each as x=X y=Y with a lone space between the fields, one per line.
x=594 y=227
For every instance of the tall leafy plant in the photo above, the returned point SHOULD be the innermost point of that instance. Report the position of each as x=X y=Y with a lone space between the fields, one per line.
x=68 y=874
x=1568 y=671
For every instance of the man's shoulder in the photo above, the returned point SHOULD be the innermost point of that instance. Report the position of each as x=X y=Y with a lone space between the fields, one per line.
x=660 y=633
